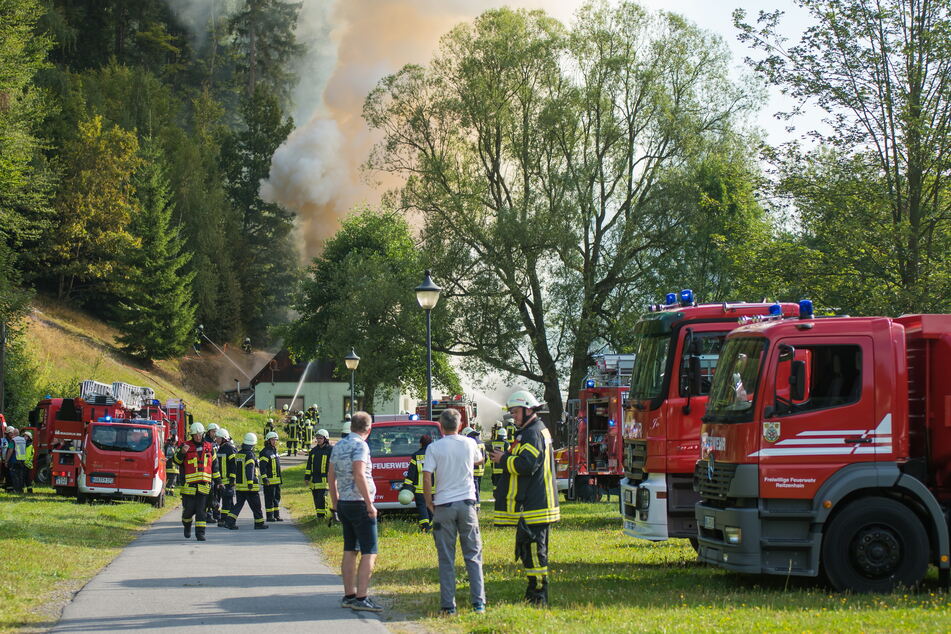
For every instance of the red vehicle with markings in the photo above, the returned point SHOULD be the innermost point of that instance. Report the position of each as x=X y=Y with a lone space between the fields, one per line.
x=467 y=407
x=122 y=459
x=392 y=445
x=826 y=449
x=678 y=347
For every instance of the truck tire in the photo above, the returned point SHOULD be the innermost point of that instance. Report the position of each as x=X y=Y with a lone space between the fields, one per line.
x=875 y=545
x=43 y=472
x=159 y=502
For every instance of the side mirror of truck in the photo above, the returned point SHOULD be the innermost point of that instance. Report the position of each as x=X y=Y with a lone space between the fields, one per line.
x=797 y=380
x=34 y=417
x=786 y=352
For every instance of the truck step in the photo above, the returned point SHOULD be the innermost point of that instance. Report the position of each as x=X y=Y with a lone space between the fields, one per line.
x=786 y=515
x=767 y=542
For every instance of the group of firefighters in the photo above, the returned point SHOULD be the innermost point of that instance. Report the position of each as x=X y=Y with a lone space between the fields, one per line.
x=16 y=460
x=298 y=428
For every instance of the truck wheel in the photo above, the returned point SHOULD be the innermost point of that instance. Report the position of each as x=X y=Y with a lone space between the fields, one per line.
x=875 y=545
x=43 y=472
x=571 y=494
x=81 y=498
x=159 y=502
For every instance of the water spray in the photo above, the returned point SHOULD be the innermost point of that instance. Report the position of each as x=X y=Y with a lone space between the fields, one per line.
x=201 y=332
x=300 y=383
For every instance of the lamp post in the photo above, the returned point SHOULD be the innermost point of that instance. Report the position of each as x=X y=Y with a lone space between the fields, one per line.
x=352 y=361
x=427 y=294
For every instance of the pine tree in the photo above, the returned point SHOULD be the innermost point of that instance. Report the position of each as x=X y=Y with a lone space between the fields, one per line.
x=157 y=316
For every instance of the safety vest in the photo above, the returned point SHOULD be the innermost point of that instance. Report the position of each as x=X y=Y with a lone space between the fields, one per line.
x=171 y=467
x=198 y=462
x=28 y=458
x=270 y=463
x=246 y=470
x=318 y=463
x=527 y=489
x=19 y=448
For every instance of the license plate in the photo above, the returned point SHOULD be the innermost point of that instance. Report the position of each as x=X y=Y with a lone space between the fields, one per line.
x=62 y=480
x=708 y=522
x=101 y=480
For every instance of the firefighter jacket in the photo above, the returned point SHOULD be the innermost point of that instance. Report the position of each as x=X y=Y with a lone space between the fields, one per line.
x=291 y=430
x=198 y=462
x=527 y=488
x=501 y=445
x=226 y=452
x=268 y=427
x=28 y=458
x=414 y=475
x=246 y=475
x=318 y=463
x=270 y=462
x=479 y=470
x=170 y=465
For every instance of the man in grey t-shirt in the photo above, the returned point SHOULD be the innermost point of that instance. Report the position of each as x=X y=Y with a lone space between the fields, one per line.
x=350 y=481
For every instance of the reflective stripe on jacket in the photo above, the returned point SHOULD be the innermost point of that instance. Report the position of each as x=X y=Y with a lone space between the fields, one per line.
x=270 y=463
x=527 y=488
x=198 y=463
x=246 y=476
x=318 y=463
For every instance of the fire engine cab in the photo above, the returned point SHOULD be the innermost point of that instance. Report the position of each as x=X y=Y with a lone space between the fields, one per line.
x=467 y=408
x=826 y=449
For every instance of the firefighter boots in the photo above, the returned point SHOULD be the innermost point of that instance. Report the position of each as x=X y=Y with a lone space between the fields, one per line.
x=259 y=527
x=188 y=530
x=200 y=534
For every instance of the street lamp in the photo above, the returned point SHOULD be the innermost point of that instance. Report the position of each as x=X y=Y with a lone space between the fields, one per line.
x=427 y=294
x=352 y=361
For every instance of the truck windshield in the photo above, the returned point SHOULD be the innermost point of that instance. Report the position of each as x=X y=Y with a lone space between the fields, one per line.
x=121 y=438
x=732 y=396
x=398 y=440
x=647 y=378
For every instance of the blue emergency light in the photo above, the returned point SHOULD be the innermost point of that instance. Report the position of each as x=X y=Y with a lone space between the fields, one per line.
x=686 y=297
x=414 y=416
x=671 y=298
x=105 y=419
x=611 y=423
x=589 y=383
x=805 y=309
x=776 y=310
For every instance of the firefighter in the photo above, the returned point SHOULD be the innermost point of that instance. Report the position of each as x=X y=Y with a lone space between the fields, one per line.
x=307 y=436
x=315 y=473
x=226 y=451
x=214 y=498
x=247 y=483
x=509 y=425
x=301 y=430
x=479 y=470
x=171 y=467
x=291 y=430
x=414 y=483
x=270 y=462
x=268 y=426
x=28 y=461
x=526 y=496
x=197 y=457
x=345 y=427
x=499 y=444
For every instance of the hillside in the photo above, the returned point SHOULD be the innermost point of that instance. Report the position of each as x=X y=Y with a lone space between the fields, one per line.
x=68 y=346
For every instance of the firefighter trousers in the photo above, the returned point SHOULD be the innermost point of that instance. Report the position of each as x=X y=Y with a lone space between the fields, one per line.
x=193 y=506
x=227 y=503
x=531 y=548
x=213 y=510
x=291 y=446
x=425 y=516
x=253 y=498
x=320 y=502
x=272 y=500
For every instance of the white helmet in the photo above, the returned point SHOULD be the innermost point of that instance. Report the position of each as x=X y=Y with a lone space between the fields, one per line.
x=270 y=420
x=323 y=432
x=345 y=428
x=223 y=433
x=522 y=398
x=293 y=419
x=196 y=428
x=502 y=434
x=405 y=497
x=250 y=438
x=269 y=436
x=286 y=407
x=28 y=434
x=314 y=405
x=213 y=427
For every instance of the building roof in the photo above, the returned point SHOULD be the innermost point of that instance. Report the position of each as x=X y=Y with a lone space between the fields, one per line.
x=283 y=369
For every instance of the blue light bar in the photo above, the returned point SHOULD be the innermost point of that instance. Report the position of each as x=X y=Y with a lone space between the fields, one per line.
x=686 y=297
x=414 y=416
x=589 y=383
x=776 y=309
x=105 y=419
x=611 y=423
x=671 y=298
x=805 y=309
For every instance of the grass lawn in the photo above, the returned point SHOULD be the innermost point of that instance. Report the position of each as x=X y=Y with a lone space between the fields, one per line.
x=51 y=546
x=603 y=581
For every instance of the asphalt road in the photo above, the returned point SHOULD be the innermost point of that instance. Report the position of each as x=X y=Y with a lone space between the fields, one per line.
x=237 y=581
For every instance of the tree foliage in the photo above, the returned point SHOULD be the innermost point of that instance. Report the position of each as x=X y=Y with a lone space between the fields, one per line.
x=543 y=161
x=874 y=195
x=360 y=293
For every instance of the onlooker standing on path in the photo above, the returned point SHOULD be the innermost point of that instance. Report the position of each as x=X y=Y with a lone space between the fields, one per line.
x=350 y=482
x=452 y=459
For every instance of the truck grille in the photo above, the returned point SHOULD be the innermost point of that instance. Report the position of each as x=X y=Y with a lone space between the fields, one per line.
x=635 y=457
x=715 y=485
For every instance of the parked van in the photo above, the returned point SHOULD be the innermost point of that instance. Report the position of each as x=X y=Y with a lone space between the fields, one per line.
x=123 y=459
x=392 y=445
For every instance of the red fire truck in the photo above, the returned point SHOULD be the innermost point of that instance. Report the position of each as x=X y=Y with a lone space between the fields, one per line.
x=466 y=406
x=594 y=449
x=826 y=449
x=678 y=345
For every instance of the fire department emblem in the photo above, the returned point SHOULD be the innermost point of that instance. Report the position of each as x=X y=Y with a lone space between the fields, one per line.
x=771 y=431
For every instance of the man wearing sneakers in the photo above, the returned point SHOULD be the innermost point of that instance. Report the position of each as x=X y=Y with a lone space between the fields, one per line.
x=350 y=482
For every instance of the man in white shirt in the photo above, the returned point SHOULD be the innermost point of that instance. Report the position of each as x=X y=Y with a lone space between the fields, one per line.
x=452 y=458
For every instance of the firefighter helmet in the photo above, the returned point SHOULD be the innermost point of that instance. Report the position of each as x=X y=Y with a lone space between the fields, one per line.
x=405 y=497
x=293 y=419
x=250 y=438
x=286 y=407
x=269 y=436
x=345 y=428
x=213 y=426
x=28 y=434
x=323 y=432
x=502 y=434
x=224 y=433
x=270 y=420
x=522 y=398
x=12 y=430
x=196 y=428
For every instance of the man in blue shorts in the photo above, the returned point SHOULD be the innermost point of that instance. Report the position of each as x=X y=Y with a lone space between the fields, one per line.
x=350 y=481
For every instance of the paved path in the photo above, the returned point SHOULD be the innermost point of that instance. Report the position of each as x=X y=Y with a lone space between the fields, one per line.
x=237 y=581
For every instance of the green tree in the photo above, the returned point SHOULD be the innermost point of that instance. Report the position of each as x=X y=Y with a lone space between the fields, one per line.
x=267 y=258
x=266 y=46
x=94 y=205
x=880 y=70
x=536 y=157
x=156 y=316
x=360 y=294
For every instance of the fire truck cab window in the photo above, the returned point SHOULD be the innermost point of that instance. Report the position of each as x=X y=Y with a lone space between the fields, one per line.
x=833 y=377
x=398 y=440
x=732 y=396
x=706 y=347
x=115 y=438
